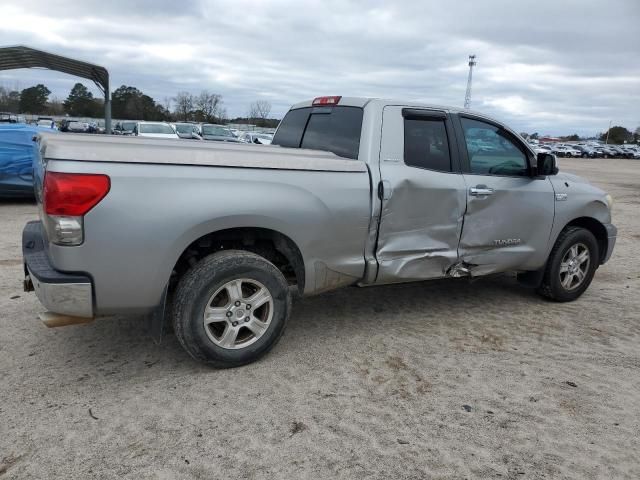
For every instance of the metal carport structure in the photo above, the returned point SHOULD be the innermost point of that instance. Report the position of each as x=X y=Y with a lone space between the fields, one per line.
x=15 y=57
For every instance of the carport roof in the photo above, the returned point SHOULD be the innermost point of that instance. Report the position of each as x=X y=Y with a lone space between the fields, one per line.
x=24 y=57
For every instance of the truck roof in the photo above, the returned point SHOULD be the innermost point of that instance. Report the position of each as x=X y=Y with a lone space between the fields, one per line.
x=383 y=102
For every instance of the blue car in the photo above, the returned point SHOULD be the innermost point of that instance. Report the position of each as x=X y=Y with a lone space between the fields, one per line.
x=17 y=153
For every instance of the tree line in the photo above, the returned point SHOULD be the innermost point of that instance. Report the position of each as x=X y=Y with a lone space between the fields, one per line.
x=615 y=135
x=130 y=103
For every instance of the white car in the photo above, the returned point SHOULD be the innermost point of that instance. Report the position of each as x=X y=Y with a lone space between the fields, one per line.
x=154 y=130
x=542 y=149
x=187 y=130
x=257 y=138
x=46 y=123
x=566 y=151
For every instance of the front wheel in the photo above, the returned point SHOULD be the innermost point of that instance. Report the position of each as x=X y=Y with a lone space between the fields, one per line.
x=571 y=265
x=231 y=308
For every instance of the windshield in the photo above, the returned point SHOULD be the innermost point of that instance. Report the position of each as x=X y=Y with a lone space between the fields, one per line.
x=155 y=128
x=332 y=129
x=216 y=130
x=184 y=127
x=128 y=126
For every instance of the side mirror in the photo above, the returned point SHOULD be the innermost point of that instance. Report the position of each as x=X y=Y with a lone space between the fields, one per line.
x=546 y=164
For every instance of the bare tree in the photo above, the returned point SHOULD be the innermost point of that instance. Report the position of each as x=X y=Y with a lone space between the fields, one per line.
x=184 y=105
x=222 y=115
x=264 y=109
x=210 y=105
x=253 y=112
x=259 y=110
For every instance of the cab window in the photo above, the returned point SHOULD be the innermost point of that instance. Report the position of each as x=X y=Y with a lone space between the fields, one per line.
x=491 y=151
x=426 y=144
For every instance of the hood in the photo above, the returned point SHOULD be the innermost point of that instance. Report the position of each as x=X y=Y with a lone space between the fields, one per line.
x=570 y=177
x=569 y=183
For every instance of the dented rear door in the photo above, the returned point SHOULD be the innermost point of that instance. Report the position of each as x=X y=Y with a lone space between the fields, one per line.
x=423 y=195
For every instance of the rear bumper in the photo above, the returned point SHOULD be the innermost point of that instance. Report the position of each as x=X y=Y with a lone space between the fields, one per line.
x=612 y=233
x=64 y=293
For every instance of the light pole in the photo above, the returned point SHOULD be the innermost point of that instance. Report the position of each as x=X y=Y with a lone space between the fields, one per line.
x=467 y=97
x=606 y=142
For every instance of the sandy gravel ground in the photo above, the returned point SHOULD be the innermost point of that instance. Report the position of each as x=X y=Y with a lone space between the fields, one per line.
x=434 y=380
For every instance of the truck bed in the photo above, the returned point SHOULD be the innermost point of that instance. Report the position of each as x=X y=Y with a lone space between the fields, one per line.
x=122 y=149
x=167 y=194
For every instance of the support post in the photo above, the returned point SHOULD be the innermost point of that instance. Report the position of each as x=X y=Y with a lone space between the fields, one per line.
x=107 y=109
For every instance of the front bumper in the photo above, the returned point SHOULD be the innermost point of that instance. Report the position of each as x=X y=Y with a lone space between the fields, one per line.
x=63 y=293
x=612 y=233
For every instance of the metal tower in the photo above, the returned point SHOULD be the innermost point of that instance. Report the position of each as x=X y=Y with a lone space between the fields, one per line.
x=467 y=97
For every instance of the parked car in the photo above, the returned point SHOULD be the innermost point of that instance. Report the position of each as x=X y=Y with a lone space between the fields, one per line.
x=606 y=151
x=218 y=133
x=542 y=149
x=46 y=123
x=257 y=138
x=223 y=233
x=585 y=151
x=125 y=127
x=6 y=117
x=154 y=130
x=187 y=130
x=632 y=151
x=565 y=151
x=620 y=152
x=78 y=127
x=17 y=152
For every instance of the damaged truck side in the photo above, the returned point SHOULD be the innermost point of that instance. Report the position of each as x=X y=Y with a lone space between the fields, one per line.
x=353 y=191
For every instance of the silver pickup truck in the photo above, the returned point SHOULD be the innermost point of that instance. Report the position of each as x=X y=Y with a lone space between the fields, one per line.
x=353 y=191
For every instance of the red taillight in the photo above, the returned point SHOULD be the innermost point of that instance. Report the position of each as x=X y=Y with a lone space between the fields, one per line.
x=326 y=101
x=73 y=194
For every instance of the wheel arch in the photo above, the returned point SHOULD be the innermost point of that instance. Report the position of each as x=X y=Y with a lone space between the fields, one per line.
x=271 y=244
x=597 y=229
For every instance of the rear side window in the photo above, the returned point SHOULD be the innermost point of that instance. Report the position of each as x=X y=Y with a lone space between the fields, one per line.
x=332 y=129
x=426 y=144
x=291 y=128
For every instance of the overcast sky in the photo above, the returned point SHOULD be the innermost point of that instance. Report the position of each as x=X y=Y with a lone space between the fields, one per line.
x=556 y=67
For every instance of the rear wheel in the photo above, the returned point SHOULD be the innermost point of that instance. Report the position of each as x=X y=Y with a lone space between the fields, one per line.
x=231 y=308
x=571 y=265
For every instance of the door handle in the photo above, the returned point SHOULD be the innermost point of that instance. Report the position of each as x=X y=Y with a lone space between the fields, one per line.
x=480 y=190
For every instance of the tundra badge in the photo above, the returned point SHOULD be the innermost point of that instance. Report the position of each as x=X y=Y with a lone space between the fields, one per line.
x=507 y=242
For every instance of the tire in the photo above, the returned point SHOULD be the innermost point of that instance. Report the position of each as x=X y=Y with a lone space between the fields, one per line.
x=584 y=155
x=556 y=282
x=212 y=284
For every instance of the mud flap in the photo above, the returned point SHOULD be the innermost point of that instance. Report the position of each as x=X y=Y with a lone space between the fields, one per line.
x=531 y=279
x=156 y=320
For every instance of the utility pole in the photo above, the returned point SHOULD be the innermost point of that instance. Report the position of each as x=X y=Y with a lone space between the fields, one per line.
x=467 y=97
x=606 y=142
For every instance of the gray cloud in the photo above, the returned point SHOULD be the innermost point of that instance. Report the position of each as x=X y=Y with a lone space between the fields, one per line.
x=546 y=66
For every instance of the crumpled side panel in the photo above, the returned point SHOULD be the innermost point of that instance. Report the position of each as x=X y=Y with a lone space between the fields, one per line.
x=420 y=228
